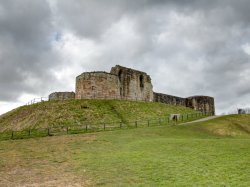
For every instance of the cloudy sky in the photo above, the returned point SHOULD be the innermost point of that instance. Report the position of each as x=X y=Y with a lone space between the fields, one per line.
x=189 y=47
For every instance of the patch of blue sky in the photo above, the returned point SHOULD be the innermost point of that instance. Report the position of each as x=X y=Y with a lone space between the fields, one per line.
x=57 y=36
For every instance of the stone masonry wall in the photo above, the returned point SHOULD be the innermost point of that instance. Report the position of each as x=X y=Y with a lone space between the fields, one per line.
x=169 y=99
x=201 y=103
x=134 y=85
x=61 y=96
x=97 y=85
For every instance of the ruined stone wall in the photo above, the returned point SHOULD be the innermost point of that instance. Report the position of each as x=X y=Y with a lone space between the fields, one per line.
x=134 y=85
x=169 y=99
x=61 y=96
x=97 y=85
x=204 y=104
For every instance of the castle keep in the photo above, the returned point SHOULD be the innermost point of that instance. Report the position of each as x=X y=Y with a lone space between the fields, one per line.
x=129 y=84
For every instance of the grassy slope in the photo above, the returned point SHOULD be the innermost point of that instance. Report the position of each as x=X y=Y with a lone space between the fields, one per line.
x=188 y=155
x=74 y=112
x=231 y=126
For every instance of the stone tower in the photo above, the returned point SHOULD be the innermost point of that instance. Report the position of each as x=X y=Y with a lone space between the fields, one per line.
x=100 y=85
x=133 y=84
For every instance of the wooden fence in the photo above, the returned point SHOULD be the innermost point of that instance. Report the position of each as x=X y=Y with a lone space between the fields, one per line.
x=96 y=127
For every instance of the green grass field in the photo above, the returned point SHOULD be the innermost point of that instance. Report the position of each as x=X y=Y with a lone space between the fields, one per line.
x=210 y=153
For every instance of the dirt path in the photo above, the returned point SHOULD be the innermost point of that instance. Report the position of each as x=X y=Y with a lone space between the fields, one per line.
x=200 y=120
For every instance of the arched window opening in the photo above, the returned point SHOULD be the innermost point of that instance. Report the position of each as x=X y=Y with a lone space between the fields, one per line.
x=120 y=75
x=141 y=82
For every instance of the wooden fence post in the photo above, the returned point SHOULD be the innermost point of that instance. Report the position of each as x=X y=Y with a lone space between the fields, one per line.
x=12 y=135
x=29 y=132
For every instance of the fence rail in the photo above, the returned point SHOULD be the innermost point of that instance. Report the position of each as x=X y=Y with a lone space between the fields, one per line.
x=37 y=100
x=96 y=127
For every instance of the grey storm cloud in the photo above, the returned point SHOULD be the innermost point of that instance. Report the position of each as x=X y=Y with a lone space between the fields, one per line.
x=188 y=47
x=25 y=34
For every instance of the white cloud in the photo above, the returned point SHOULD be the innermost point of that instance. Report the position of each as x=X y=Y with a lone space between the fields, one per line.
x=246 y=48
x=7 y=106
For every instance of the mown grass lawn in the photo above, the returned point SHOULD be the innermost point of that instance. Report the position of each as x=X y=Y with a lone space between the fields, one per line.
x=191 y=155
x=164 y=156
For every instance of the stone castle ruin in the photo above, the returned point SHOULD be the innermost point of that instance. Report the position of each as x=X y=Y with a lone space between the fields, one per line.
x=129 y=84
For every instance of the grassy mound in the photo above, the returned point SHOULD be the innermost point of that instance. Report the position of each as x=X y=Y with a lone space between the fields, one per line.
x=80 y=112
